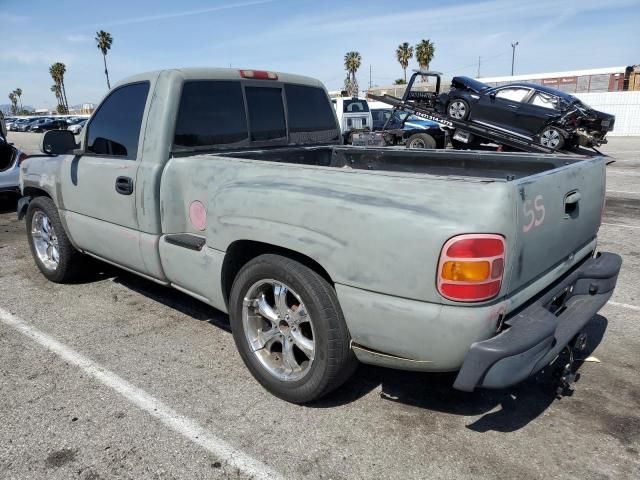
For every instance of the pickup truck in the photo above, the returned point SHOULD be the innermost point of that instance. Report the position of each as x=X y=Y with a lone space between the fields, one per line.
x=233 y=187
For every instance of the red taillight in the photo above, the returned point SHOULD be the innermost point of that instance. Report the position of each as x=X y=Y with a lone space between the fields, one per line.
x=22 y=157
x=258 y=74
x=471 y=267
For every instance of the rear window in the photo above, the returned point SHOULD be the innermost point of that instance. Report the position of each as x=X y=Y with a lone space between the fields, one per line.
x=308 y=109
x=211 y=113
x=355 y=106
x=266 y=113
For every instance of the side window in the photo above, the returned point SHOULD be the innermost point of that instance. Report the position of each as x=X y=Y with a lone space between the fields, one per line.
x=266 y=113
x=211 y=113
x=308 y=109
x=115 y=128
x=513 y=94
x=545 y=100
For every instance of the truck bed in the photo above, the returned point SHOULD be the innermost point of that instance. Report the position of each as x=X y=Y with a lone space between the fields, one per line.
x=493 y=166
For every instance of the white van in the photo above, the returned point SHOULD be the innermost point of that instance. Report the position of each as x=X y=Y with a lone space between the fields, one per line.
x=353 y=115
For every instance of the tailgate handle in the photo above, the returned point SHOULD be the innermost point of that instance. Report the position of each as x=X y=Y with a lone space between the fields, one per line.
x=571 y=209
x=573 y=197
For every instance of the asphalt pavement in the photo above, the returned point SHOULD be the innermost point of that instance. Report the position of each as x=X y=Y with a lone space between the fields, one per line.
x=117 y=377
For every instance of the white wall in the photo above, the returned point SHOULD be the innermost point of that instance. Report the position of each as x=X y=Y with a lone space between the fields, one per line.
x=624 y=105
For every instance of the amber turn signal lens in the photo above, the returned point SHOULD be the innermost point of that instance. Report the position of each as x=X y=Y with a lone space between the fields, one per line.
x=466 y=271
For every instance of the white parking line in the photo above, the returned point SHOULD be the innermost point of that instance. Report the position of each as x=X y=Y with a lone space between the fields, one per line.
x=620 y=225
x=154 y=407
x=624 y=305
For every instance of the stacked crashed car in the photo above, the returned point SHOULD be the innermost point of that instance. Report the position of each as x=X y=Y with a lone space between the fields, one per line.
x=416 y=132
x=551 y=117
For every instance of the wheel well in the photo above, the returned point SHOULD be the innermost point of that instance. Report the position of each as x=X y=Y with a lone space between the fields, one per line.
x=34 y=192
x=242 y=251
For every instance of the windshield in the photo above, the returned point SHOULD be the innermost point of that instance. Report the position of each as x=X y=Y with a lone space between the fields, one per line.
x=355 y=105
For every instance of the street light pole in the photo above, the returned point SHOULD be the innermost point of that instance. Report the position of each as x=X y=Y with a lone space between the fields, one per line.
x=513 y=55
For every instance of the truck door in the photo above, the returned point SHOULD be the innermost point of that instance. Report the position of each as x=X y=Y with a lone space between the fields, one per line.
x=98 y=185
x=499 y=107
x=534 y=114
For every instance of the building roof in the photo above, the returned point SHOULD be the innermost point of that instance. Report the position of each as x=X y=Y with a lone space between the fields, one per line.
x=570 y=73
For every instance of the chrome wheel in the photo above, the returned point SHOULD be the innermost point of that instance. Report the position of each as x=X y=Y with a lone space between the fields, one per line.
x=45 y=240
x=278 y=329
x=417 y=143
x=457 y=110
x=551 y=138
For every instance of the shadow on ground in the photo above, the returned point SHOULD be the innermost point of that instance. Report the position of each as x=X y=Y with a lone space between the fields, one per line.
x=8 y=202
x=504 y=410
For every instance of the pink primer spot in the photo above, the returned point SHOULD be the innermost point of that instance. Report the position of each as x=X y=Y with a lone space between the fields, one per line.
x=198 y=215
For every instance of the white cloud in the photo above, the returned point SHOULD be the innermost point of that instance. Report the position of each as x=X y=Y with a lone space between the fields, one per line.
x=79 y=38
x=36 y=56
x=164 y=16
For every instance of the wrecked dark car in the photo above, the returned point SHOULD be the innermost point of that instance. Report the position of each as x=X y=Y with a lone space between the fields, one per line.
x=551 y=117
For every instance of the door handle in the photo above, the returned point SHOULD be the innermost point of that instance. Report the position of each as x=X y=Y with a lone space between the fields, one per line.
x=124 y=185
x=571 y=202
x=512 y=106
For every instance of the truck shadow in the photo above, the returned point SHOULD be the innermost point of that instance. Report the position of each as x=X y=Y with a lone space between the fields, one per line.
x=8 y=202
x=504 y=410
x=516 y=406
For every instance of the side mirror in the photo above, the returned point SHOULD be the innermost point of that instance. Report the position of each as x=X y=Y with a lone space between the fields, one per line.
x=492 y=95
x=58 y=142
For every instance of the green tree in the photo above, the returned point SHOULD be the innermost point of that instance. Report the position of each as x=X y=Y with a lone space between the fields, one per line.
x=400 y=81
x=425 y=50
x=18 y=92
x=352 y=62
x=104 y=41
x=57 y=71
x=14 y=103
x=55 y=88
x=404 y=53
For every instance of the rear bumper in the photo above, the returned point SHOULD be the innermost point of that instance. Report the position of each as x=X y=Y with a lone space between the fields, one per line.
x=539 y=332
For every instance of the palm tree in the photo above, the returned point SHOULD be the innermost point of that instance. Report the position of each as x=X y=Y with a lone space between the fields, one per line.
x=425 y=50
x=104 y=41
x=14 y=103
x=352 y=62
x=404 y=52
x=57 y=71
x=18 y=92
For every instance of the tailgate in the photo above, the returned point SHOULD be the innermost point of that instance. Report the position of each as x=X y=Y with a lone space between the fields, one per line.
x=558 y=212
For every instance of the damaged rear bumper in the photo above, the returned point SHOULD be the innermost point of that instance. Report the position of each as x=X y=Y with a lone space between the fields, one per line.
x=537 y=334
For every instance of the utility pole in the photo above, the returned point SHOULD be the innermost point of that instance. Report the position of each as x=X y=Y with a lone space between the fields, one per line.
x=478 y=68
x=513 y=55
x=370 y=84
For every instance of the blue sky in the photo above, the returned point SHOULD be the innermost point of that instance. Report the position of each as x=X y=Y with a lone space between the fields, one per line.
x=307 y=37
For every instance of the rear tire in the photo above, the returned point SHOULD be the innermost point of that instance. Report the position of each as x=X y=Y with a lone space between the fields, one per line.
x=289 y=329
x=552 y=137
x=52 y=251
x=421 y=140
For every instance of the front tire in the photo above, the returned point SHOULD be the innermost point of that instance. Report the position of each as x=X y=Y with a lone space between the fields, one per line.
x=458 y=109
x=421 y=140
x=54 y=254
x=289 y=329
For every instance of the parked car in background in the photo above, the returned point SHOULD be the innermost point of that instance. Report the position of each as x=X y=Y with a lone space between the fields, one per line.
x=10 y=160
x=55 y=124
x=16 y=124
x=353 y=115
x=416 y=132
x=77 y=126
x=27 y=126
x=553 y=118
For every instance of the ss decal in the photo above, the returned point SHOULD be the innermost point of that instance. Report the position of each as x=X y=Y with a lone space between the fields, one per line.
x=533 y=216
